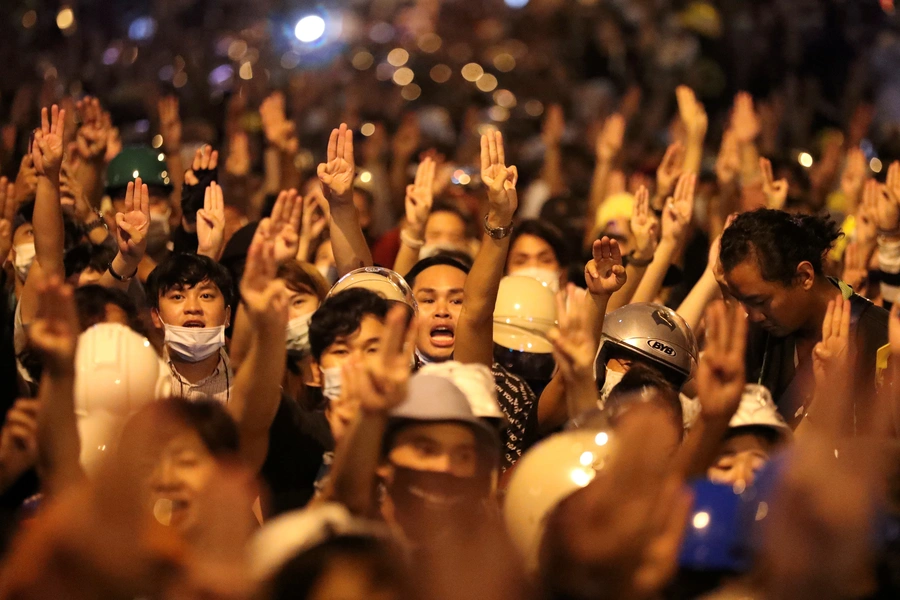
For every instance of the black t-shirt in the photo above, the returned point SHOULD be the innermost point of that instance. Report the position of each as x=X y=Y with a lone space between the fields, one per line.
x=518 y=403
x=298 y=440
x=793 y=386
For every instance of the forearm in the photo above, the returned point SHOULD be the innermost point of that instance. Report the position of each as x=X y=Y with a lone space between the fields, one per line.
x=125 y=267
x=257 y=393
x=693 y=154
x=551 y=172
x=598 y=191
x=352 y=480
x=241 y=339
x=704 y=291
x=350 y=248
x=411 y=241
x=290 y=174
x=90 y=174
x=652 y=281
x=750 y=173
x=49 y=231
x=474 y=335
x=272 y=170
x=59 y=446
x=701 y=446
x=176 y=176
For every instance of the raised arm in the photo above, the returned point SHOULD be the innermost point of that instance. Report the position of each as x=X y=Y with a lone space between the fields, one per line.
x=645 y=228
x=474 y=333
x=281 y=134
x=92 y=141
x=554 y=128
x=257 y=385
x=376 y=386
x=49 y=231
x=676 y=220
x=609 y=143
x=54 y=333
x=693 y=115
x=211 y=223
x=132 y=227
x=350 y=248
x=170 y=128
x=419 y=198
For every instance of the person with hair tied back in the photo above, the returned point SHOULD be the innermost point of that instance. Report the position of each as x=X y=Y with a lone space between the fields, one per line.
x=771 y=262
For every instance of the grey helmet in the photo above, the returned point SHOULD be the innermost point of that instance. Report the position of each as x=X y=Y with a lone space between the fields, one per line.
x=651 y=333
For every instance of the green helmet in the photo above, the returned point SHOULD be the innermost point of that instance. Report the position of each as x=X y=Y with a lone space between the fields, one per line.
x=131 y=163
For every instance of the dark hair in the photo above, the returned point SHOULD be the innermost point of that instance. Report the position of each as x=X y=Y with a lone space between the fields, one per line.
x=92 y=300
x=378 y=559
x=638 y=378
x=86 y=256
x=546 y=232
x=158 y=422
x=769 y=435
x=188 y=270
x=72 y=231
x=303 y=277
x=341 y=315
x=434 y=261
x=779 y=241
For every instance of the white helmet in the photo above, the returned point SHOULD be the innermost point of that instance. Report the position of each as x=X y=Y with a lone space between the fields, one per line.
x=758 y=409
x=117 y=372
x=384 y=282
x=475 y=381
x=524 y=314
x=545 y=476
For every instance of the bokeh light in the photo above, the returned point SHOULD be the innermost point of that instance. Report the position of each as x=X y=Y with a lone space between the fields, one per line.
x=805 y=159
x=487 y=83
x=534 y=108
x=430 y=43
x=309 y=28
x=29 y=19
x=441 y=73
x=142 y=28
x=367 y=129
x=411 y=92
x=504 y=62
x=362 y=60
x=876 y=165
x=472 y=72
x=397 y=57
x=404 y=76
x=65 y=18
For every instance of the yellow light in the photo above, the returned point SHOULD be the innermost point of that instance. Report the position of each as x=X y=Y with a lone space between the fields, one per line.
x=465 y=179
x=430 y=43
x=403 y=76
x=365 y=176
x=161 y=157
x=805 y=159
x=505 y=98
x=876 y=165
x=487 y=83
x=367 y=129
x=602 y=438
x=441 y=73
x=504 y=62
x=246 y=71
x=65 y=18
x=701 y=520
x=411 y=92
x=581 y=477
x=29 y=19
x=534 y=108
x=362 y=60
x=397 y=57
x=472 y=72
x=136 y=174
x=498 y=113
x=157 y=141
x=586 y=458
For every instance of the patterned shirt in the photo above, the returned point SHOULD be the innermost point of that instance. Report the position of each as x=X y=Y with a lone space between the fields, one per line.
x=518 y=403
x=217 y=386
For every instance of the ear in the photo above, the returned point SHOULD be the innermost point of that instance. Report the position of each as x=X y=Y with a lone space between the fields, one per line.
x=154 y=317
x=227 y=316
x=312 y=376
x=805 y=276
x=385 y=471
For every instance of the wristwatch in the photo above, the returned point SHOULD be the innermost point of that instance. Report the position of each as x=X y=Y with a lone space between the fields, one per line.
x=639 y=262
x=498 y=233
x=118 y=277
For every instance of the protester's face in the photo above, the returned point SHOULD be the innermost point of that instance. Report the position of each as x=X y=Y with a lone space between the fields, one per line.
x=324 y=257
x=301 y=303
x=24 y=234
x=439 y=293
x=201 y=305
x=445 y=227
x=437 y=447
x=740 y=459
x=778 y=309
x=183 y=470
x=348 y=579
x=362 y=344
x=530 y=251
x=87 y=277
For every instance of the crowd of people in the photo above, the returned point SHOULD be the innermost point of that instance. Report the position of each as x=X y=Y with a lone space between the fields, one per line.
x=583 y=329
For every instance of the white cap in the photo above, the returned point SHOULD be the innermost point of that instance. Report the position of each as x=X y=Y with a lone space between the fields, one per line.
x=475 y=381
x=286 y=536
x=117 y=372
x=758 y=409
x=524 y=314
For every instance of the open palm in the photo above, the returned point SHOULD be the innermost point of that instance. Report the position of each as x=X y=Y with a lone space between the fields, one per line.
x=338 y=172
x=47 y=148
x=134 y=223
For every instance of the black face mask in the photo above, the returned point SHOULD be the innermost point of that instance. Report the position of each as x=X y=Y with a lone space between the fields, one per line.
x=428 y=503
x=536 y=369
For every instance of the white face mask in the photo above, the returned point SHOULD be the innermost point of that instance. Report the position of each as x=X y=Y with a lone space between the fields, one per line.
x=329 y=272
x=612 y=380
x=297 y=333
x=24 y=258
x=331 y=383
x=193 y=344
x=546 y=276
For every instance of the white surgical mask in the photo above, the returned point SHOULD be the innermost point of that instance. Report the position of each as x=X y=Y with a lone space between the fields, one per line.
x=297 y=333
x=612 y=380
x=549 y=277
x=193 y=344
x=329 y=272
x=24 y=258
x=331 y=383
